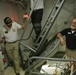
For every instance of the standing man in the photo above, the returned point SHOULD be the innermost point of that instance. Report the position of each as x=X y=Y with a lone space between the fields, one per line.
x=70 y=35
x=9 y=37
x=36 y=17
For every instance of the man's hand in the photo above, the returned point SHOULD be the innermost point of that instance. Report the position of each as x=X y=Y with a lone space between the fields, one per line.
x=3 y=40
x=62 y=41
x=25 y=16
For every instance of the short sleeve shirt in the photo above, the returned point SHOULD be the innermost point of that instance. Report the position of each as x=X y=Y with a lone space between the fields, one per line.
x=37 y=4
x=70 y=38
x=10 y=34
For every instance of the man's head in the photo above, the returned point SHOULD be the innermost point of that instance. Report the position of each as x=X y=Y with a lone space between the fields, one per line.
x=8 y=21
x=73 y=25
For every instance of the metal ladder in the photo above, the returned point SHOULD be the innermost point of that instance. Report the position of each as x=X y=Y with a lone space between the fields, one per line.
x=49 y=23
x=42 y=37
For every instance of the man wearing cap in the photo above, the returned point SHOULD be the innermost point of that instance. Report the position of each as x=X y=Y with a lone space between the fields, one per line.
x=9 y=38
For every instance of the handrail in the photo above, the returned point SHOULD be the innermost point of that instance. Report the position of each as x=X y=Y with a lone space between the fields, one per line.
x=48 y=49
x=23 y=35
x=28 y=47
x=50 y=45
x=28 y=36
x=27 y=22
x=46 y=58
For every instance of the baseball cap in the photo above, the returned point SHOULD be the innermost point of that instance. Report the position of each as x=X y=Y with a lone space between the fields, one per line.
x=7 y=20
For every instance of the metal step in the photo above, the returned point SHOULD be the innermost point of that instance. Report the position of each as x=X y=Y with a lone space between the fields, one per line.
x=59 y=54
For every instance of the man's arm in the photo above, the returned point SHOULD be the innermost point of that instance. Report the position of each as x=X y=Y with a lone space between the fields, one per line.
x=2 y=35
x=25 y=17
x=23 y=25
x=59 y=36
x=3 y=40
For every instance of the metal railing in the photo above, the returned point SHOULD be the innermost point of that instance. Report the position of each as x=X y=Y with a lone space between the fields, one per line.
x=46 y=58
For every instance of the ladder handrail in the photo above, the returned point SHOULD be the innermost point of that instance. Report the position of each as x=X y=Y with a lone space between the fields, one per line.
x=28 y=47
x=27 y=21
x=47 y=21
x=50 y=21
x=46 y=58
x=45 y=54
x=49 y=49
x=28 y=36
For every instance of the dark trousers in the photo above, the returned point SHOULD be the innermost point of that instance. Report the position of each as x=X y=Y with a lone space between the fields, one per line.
x=36 y=19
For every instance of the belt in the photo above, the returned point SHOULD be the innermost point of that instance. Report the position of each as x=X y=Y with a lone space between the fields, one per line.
x=11 y=42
